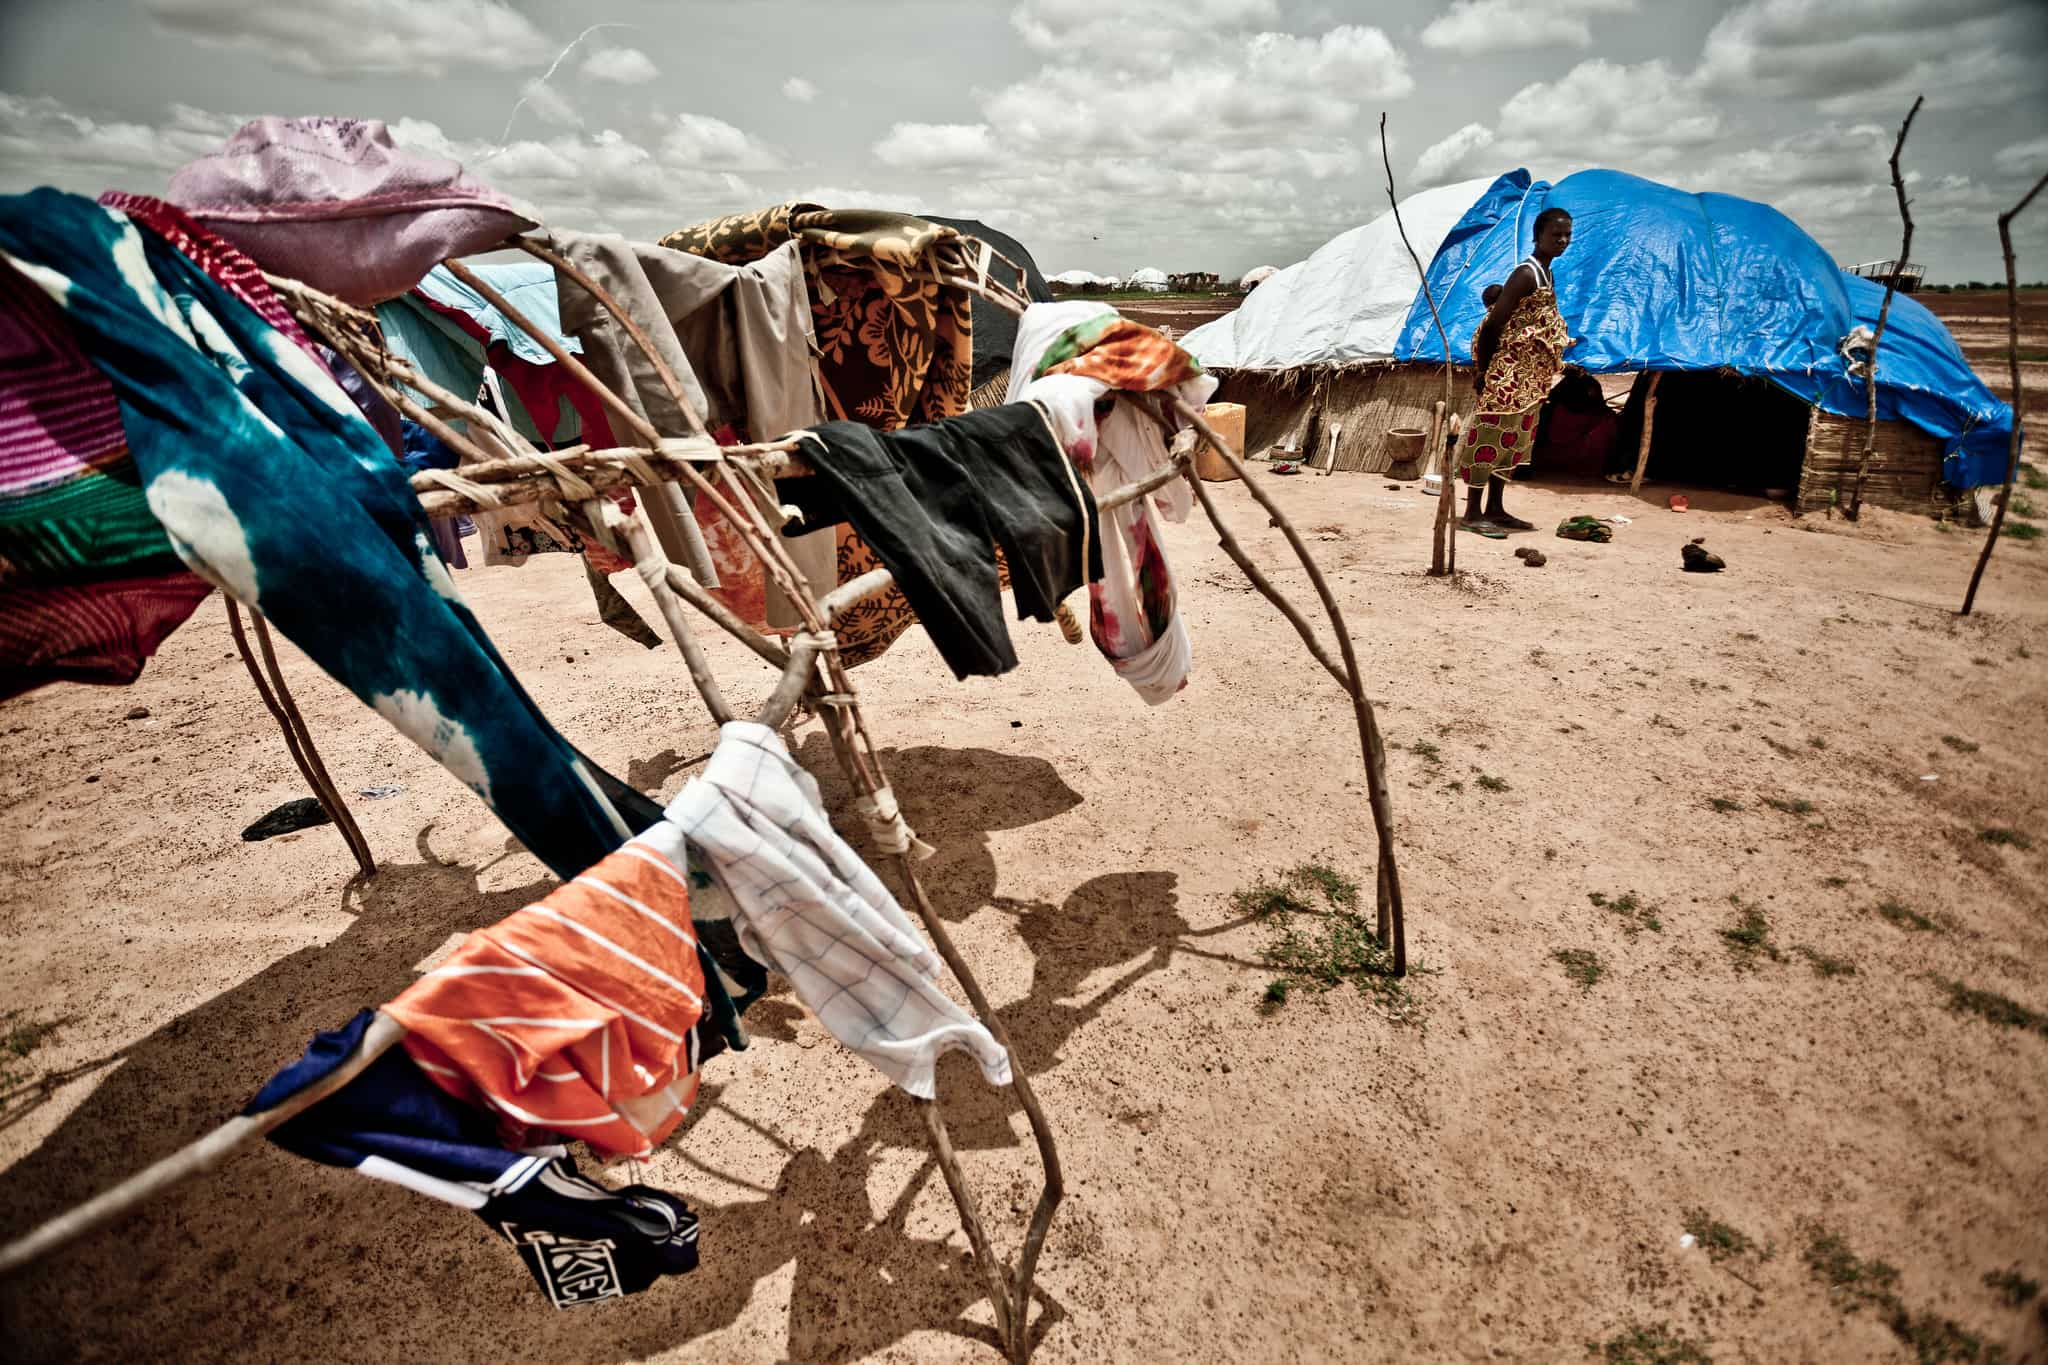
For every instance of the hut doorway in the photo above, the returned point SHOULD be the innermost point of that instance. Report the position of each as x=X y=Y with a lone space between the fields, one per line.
x=1716 y=429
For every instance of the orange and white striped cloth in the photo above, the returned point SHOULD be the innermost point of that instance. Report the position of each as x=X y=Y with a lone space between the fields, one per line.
x=575 y=1014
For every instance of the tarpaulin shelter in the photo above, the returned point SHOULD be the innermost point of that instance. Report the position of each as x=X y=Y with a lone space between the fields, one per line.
x=1660 y=279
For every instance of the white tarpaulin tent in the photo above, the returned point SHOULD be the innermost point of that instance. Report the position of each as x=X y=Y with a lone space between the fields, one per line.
x=1346 y=302
x=1257 y=276
x=1148 y=277
x=1077 y=278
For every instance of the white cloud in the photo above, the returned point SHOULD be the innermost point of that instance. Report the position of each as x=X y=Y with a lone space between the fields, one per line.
x=800 y=90
x=699 y=140
x=343 y=38
x=44 y=142
x=2027 y=159
x=620 y=66
x=1830 y=155
x=1198 y=120
x=1444 y=161
x=603 y=181
x=550 y=105
x=1644 y=116
x=1510 y=25
x=1362 y=62
x=935 y=146
x=1869 y=55
x=1131 y=28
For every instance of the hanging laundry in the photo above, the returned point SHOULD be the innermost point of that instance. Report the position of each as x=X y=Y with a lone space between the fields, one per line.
x=89 y=583
x=895 y=347
x=738 y=340
x=934 y=501
x=804 y=902
x=237 y=435
x=459 y=340
x=577 y=1014
x=218 y=257
x=336 y=203
x=452 y=332
x=1071 y=357
x=579 y=1240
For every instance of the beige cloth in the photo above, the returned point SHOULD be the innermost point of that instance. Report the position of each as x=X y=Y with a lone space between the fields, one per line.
x=738 y=339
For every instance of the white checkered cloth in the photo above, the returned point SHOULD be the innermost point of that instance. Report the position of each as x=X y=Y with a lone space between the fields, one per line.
x=807 y=905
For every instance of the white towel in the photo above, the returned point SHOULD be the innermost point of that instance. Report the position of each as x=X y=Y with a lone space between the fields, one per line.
x=806 y=905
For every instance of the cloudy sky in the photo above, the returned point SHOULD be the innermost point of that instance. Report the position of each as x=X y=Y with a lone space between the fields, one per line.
x=1105 y=134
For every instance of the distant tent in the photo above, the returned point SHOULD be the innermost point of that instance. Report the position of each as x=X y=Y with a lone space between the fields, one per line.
x=1256 y=276
x=1149 y=278
x=995 y=331
x=1344 y=303
x=1725 y=289
x=1310 y=351
x=1077 y=278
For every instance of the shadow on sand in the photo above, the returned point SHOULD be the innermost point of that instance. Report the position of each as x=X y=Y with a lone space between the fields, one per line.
x=290 y=1259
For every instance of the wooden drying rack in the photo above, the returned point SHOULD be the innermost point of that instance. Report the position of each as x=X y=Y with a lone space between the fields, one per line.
x=501 y=468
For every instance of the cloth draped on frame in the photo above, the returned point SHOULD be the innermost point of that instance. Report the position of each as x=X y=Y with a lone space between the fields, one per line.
x=895 y=347
x=1070 y=357
x=234 y=432
x=578 y=1014
x=1524 y=368
x=450 y=333
x=937 y=503
x=89 y=583
x=805 y=902
x=737 y=338
x=579 y=1240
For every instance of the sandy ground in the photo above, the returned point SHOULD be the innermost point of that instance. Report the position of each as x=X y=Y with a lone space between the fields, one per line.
x=1505 y=1181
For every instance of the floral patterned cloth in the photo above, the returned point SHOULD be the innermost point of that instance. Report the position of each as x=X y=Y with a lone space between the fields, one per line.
x=1527 y=364
x=895 y=348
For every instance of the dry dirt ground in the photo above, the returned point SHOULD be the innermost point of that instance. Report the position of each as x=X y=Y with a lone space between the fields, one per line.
x=1506 y=1176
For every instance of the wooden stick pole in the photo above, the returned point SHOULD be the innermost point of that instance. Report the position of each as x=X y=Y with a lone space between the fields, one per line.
x=795 y=680
x=1441 y=560
x=295 y=737
x=340 y=811
x=654 y=570
x=1444 y=548
x=1891 y=285
x=970 y=1217
x=2012 y=360
x=194 y=1157
x=1635 y=482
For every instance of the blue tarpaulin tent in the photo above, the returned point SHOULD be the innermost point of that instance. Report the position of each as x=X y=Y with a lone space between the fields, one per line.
x=1659 y=278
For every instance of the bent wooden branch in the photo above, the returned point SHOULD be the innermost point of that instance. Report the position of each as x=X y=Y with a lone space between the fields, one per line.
x=298 y=739
x=1392 y=920
x=2012 y=360
x=1891 y=285
x=194 y=1157
x=1440 y=560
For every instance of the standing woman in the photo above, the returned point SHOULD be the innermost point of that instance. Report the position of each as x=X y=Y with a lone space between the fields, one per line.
x=1519 y=353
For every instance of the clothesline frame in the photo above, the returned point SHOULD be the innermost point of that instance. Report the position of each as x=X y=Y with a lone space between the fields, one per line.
x=810 y=671
x=835 y=700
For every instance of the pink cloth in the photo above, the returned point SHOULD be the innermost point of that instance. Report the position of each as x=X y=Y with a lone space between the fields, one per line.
x=334 y=202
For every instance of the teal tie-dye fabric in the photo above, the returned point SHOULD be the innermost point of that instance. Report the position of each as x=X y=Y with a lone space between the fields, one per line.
x=271 y=485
